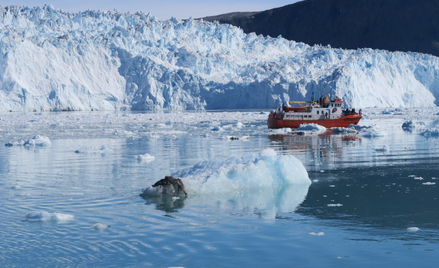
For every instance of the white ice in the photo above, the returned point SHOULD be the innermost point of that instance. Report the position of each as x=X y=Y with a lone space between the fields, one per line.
x=105 y=60
x=46 y=216
x=145 y=158
x=100 y=226
x=311 y=127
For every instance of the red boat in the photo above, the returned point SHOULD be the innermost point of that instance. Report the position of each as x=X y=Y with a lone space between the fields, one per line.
x=325 y=112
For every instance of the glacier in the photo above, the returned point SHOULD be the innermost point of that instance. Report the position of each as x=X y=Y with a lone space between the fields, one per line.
x=53 y=60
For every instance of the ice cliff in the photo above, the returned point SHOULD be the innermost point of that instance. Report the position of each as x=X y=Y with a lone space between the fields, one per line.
x=94 y=60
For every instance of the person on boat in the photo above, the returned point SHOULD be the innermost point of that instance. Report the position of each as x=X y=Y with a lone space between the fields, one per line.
x=326 y=115
x=359 y=111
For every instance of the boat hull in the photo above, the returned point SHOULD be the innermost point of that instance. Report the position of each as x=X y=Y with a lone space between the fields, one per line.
x=344 y=121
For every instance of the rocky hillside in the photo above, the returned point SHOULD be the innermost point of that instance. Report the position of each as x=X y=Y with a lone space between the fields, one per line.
x=395 y=25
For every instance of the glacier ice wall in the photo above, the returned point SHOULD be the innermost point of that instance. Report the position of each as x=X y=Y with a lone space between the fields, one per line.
x=93 y=60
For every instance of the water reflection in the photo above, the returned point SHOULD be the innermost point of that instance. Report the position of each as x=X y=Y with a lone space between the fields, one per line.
x=266 y=202
x=326 y=148
x=165 y=203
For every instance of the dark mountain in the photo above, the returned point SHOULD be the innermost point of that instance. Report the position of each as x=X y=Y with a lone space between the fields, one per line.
x=395 y=25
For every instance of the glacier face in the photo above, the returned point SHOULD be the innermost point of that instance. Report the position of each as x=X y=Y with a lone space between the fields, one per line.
x=93 y=60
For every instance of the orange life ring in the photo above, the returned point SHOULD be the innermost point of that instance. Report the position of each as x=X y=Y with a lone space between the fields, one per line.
x=334 y=110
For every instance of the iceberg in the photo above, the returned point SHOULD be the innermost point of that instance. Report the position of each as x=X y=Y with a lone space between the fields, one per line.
x=51 y=60
x=266 y=183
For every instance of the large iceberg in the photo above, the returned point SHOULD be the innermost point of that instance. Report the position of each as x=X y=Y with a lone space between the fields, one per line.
x=106 y=60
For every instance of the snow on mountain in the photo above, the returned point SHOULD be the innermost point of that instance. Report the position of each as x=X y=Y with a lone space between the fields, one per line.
x=94 y=60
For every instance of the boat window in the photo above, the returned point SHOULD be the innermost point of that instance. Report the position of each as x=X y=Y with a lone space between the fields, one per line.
x=317 y=112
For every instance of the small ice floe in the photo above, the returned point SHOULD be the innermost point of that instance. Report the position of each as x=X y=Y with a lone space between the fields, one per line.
x=45 y=216
x=16 y=143
x=315 y=180
x=233 y=138
x=161 y=125
x=428 y=183
x=317 y=234
x=311 y=127
x=432 y=132
x=38 y=140
x=372 y=133
x=217 y=129
x=343 y=130
x=16 y=187
x=94 y=150
x=359 y=128
x=385 y=148
x=239 y=125
x=145 y=158
x=386 y=111
x=410 y=125
x=100 y=226
x=279 y=131
x=122 y=133
x=335 y=205
x=154 y=136
x=418 y=178
x=413 y=229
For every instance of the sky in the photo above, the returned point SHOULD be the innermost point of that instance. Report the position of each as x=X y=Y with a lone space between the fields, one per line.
x=162 y=9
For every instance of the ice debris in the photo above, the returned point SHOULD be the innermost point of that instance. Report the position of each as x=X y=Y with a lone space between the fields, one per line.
x=311 y=127
x=385 y=148
x=94 y=150
x=45 y=216
x=317 y=234
x=100 y=226
x=145 y=158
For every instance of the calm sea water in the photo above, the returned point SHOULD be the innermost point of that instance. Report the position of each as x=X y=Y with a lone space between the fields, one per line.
x=354 y=214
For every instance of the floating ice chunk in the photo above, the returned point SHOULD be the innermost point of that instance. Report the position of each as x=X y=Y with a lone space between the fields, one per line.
x=239 y=125
x=45 y=216
x=16 y=187
x=419 y=178
x=359 y=128
x=94 y=150
x=100 y=226
x=428 y=183
x=245 y=138
x=413 y=229
x=38 y=140
x=16 y=143
x=154 y=136
x=343 y=130
x=431 y=132
x=217 y=129
x=279 y=131
x=372 y=132
x=335 y=205
x=317 y=234
x=386 y=111
x=311 y=127
x=385 y=148
x=123 y=133
x=145 y=158
x=410 y=125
